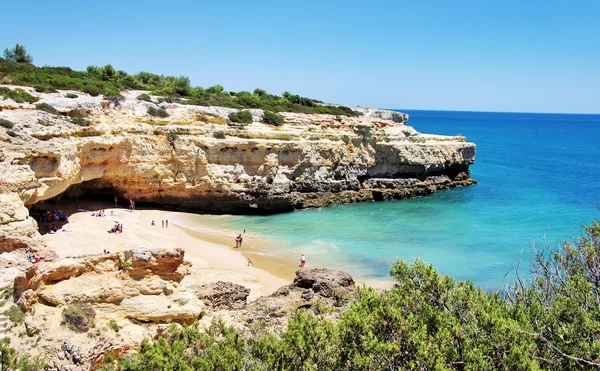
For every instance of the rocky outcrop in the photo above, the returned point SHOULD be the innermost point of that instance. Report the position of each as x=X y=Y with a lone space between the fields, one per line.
x=193 y=160
x=165 y=263
x=329 y=287
x=17 y=229
x=223 y=295
x=124 y=280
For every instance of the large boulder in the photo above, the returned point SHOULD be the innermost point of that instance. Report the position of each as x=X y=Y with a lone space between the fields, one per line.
x=161 y=309
x=223 y=295
x=319 y=278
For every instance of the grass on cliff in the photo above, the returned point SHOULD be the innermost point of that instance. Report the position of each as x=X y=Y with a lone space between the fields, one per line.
x=427 y=321
x=107 y=80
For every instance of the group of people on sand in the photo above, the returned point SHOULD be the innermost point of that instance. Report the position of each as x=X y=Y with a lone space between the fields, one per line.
x=101 y=213
x=118 y=228
x=165 y=223
x=54 y=215
x=34 y=258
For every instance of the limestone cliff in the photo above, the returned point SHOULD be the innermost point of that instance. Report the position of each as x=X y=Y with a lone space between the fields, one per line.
x=195 y=160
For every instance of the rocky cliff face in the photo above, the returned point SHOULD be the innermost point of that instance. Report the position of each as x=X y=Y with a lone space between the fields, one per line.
x=194 y=160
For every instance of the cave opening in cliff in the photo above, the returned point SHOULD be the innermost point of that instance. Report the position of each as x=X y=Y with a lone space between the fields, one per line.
x=53 y=213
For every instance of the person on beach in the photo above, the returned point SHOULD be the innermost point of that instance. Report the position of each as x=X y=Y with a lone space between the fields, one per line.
x=131 y=204
x=152 y=223
x=116 y=202
x=166 y=223
x=163 y=223
x=250 y=262
x=302 y=260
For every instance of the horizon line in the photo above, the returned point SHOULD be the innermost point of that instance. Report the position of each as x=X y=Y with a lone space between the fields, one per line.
x=477 y=111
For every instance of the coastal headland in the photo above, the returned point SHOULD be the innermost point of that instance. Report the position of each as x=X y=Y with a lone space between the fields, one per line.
x=196 y=160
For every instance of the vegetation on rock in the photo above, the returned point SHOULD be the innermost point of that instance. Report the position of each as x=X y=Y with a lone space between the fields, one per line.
x=71 y=95
x=103 y=80
x=79 y=318
x=15 y=314
x=426 y=321
x=144 y=97
x=272 y=118
x=80 y=121
x=6 y=123
x=243 y=117
x=18 y=95
x=46 y=108
x=158 y=112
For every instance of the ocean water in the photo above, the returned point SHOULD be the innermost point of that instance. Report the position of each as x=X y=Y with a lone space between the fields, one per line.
x=539 y=177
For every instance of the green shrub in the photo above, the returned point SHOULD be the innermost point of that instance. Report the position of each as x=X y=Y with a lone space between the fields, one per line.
x=7 y=293
x=272 y=118
x=219 y=134
x=244 y=117
x=113 y=325
x=11 y=133
x=44 y=89
x=18 y=95
x=80 y=121
x=71 y=95
x=144 y=97
x=6 y=124
x=158 y=112
x=79 y=317
x=93 y=90
x=46 y=108
x=15 y=314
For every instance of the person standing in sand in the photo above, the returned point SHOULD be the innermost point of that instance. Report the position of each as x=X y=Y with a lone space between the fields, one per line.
x=163 y=223
x=166 y=223
x=250 y=262
x=302 y=260
x=116 y=202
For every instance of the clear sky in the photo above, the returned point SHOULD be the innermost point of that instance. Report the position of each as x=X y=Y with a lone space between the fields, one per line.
x=526 y=55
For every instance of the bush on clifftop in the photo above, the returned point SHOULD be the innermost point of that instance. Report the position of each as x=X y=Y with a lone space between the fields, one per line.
x=427 y=321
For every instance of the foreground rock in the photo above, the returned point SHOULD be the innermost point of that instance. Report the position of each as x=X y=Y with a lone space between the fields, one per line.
x=326 y=287
x=223 y=295
x=194 y=160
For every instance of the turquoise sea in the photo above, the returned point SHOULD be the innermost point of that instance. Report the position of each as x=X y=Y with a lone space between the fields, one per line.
x=539 y=177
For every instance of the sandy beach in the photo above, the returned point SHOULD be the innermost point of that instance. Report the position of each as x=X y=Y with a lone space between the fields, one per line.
x=212 y=259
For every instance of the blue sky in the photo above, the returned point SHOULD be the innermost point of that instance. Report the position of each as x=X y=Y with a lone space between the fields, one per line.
x=522 y=56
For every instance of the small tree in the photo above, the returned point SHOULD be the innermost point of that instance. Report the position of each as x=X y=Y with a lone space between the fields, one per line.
x=18 y=54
